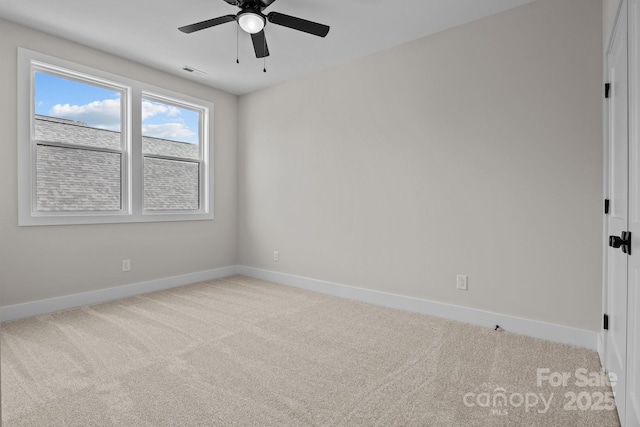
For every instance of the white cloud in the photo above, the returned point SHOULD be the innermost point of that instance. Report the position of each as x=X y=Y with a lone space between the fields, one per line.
x=173 y=131
x=106 y=115
x=151 y=109
x=101 y=114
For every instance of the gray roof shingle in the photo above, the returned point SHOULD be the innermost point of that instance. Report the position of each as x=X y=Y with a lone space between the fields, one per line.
x=86 y=180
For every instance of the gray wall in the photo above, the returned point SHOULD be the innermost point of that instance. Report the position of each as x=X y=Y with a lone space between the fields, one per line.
x=44 y=262
x=473 y=151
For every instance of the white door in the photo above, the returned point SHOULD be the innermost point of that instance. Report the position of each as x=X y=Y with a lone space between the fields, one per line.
x=616 y=338
x=633 y=306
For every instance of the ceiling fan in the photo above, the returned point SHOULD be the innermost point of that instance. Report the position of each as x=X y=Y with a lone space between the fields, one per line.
x=252 y=20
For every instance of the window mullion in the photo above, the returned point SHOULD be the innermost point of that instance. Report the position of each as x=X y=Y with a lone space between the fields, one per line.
x=77 y=146
x=175 y=159
x=136 y=169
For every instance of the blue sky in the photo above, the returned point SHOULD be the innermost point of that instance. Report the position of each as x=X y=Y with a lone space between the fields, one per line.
x=100 y=108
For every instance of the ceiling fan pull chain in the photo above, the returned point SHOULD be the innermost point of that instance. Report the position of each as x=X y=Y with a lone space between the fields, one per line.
x=264 y=58
x=237 y=55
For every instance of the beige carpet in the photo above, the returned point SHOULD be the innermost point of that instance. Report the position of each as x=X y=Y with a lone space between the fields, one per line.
x=244 y=352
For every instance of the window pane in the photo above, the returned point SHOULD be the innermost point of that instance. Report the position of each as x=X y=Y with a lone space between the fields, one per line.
x=168 y=130
x=71 y=112
x=77 y=180
x=171 y=185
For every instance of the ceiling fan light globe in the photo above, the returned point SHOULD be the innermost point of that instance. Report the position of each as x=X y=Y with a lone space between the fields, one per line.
x=251 y=22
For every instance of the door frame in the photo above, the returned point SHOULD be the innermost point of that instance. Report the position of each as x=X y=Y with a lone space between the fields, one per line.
x=607 y=46
x=633 y=64
x=632 y=372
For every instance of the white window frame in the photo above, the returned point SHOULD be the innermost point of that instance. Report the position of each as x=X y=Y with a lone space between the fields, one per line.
x=132 y=173
x=203 y=149
x=125 y=138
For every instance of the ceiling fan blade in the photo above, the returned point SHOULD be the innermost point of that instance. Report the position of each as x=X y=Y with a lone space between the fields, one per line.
x=299 y=24
x=232 y=2
x=266 y=3
x=260 y=44
x=206 y=24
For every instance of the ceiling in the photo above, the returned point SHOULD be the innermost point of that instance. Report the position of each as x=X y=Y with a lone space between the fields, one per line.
x=146 y=31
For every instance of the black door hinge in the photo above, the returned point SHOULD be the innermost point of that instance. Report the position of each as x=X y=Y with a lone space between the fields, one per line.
x=606 y=206
x=606 y=322
x=607 y=90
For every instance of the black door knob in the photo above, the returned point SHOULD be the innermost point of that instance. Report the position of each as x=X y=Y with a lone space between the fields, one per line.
x=624 y=242
x=615 y=241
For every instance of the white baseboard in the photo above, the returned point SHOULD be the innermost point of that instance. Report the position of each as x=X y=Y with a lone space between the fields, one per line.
x=533 y=328
x=601 y=348
x=34 y=308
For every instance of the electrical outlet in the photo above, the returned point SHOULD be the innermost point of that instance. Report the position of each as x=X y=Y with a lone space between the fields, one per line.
x=461 y=282
x=276 y=256
x=126 y=265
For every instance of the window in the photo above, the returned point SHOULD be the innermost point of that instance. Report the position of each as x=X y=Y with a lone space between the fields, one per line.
x=80 y=149
x=99 y=148
x=172 y=155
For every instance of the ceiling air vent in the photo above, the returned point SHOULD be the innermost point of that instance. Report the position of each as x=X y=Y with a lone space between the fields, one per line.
x=189 y=69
